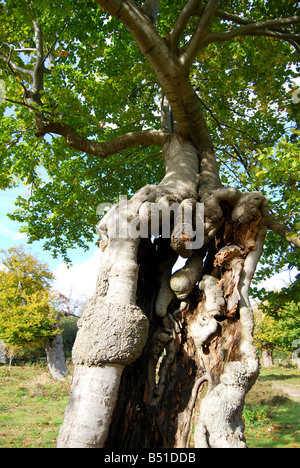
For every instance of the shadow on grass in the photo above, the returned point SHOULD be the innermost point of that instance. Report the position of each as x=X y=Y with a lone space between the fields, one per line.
x=265 y=378
x=273 y=425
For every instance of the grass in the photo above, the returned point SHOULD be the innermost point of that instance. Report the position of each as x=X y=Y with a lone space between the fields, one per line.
x=32 y=407
x=272 y=410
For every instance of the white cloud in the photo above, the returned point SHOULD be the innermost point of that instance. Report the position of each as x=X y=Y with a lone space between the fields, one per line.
x=13 y=235
x=78 y=281
x=20 y=236
x=279 y=281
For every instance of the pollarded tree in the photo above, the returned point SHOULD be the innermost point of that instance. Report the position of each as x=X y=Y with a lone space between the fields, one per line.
x=95 y=89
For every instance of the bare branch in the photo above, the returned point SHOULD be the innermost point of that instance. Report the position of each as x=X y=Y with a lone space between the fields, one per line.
x=283 y=231
x=266 y=28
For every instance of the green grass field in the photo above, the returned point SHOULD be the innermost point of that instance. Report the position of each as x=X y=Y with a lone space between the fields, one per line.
x=272 y=410
x=32 y=407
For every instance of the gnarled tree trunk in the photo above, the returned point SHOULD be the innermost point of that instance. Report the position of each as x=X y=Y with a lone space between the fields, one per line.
x=150 y=338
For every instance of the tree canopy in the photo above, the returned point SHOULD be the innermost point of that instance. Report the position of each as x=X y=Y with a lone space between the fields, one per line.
x=28 y=313
x=76 y=83
x=280 y=334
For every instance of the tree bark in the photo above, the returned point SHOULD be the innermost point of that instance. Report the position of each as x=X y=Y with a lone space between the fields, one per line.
x=151 y=339
x=92 y=400
x=267 y=357
x=163 y=335
x=56 y=358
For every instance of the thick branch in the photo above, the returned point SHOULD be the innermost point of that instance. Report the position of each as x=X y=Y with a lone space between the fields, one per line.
x=16 y=67
x=152 y=46
x=38 y=73
x=202 y=30
x=266 y=28
x=73 y=139
x=104 y=149
x=283 y=231
x=172 y=77
x=182 y=22
x=292 y=38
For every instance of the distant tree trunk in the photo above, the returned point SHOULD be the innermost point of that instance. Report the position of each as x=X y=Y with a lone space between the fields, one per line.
x=56 y=358
x=2 y=353
x=267 y=356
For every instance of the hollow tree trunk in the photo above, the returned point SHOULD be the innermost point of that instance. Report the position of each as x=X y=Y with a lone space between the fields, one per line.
x=149 y=338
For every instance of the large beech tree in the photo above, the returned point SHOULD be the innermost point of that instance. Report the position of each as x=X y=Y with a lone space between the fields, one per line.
x=170 y=104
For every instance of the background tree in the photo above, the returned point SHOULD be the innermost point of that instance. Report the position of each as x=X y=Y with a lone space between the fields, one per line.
x=278 y=320
x=94 y=91
x=271 y=334
x=28 y=310
x=11 y=350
